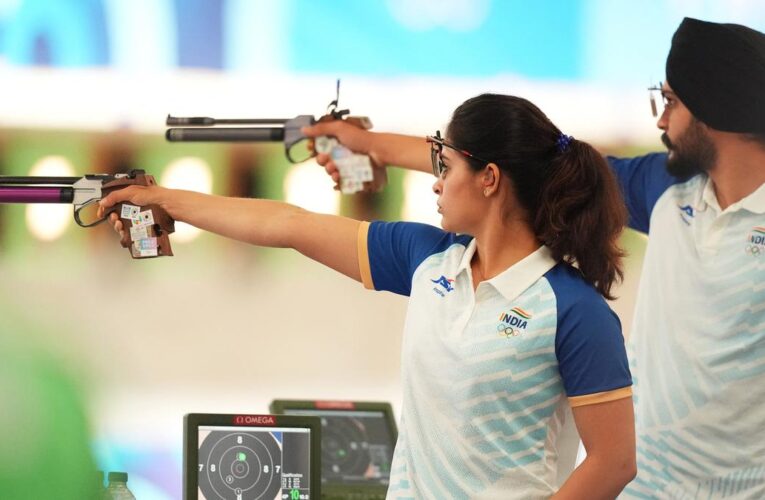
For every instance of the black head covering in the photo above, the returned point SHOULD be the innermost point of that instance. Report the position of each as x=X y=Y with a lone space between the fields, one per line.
x=718 y=71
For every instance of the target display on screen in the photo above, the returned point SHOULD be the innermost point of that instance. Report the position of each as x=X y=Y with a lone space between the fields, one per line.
x=357 y=442
x=257 y=458
x=355 y=447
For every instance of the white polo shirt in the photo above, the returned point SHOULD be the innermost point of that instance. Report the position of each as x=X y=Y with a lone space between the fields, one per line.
x=489 y=376
x=697 y=346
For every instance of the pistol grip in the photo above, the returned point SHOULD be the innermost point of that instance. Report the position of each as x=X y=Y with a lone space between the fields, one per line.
x=146 y=231
x=147 y=228
x=370 y=182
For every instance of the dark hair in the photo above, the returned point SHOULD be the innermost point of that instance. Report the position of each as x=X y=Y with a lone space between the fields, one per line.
x=573 y=201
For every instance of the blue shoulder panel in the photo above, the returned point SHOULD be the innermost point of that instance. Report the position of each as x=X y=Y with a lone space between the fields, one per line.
x=396 y=249
x=589 y=343
x=643 y=179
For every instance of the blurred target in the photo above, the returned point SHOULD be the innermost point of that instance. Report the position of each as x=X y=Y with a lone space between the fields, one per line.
x=345 y=447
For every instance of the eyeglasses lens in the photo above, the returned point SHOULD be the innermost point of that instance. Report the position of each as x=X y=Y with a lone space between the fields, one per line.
x=658 y=102
x=435 y=158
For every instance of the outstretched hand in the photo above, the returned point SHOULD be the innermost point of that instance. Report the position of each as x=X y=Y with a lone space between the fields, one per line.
x=135 y=195
x=357 y=140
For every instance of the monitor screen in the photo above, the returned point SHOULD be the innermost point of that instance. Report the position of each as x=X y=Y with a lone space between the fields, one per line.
x=251 y=461
x=356 y=445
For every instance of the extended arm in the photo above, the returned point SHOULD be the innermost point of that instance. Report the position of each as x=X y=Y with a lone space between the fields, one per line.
x=328 y=239
x=608 y=434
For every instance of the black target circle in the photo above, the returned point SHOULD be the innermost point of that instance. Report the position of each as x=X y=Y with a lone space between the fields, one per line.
x=242 y=465
x=344 y=447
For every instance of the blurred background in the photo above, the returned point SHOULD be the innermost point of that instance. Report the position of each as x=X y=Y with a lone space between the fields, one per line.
x=223 y=327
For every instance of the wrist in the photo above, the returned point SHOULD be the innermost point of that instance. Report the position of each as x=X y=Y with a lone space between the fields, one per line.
x=175 y=203
x=377 y=150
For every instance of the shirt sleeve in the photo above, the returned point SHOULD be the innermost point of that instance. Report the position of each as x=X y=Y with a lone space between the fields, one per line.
x=643 y=180
x=390 y=252
x=591 y=355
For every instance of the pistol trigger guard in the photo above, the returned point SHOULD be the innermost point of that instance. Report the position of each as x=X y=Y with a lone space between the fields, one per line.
x=79 y=222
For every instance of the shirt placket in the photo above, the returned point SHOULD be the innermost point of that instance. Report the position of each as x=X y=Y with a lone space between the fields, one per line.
x=710 y=232
x=481 y=295
x=468 y=299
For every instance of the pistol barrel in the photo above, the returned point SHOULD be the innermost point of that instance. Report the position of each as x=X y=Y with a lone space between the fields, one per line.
x=229 y=134
x=206 y=121
x=37 y=180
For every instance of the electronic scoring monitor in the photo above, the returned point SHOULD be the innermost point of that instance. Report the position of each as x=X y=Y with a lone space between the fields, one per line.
x=251 y=457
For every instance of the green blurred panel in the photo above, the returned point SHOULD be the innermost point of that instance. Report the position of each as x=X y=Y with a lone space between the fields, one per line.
x=22 y=150
x=45 y=434
x=275 y=168
x=154 y=155
x=392 y=196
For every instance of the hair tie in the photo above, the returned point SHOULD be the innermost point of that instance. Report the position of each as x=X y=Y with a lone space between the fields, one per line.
x=563 y=142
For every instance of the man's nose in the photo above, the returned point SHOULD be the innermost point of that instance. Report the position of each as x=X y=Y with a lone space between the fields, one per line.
x=662 y=122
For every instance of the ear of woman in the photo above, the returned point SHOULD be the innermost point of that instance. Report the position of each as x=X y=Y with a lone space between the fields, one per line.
x=490 y=179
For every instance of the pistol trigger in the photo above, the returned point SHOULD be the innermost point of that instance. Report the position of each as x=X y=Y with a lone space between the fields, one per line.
x=113 y=209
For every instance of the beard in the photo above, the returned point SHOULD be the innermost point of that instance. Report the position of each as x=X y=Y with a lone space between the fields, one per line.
x=692 y=153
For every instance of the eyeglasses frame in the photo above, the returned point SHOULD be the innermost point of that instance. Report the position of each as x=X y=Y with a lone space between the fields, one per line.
x=651 y=91
x=437 y=143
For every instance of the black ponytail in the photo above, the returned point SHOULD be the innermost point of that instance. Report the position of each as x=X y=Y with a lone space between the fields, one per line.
x=581 y=215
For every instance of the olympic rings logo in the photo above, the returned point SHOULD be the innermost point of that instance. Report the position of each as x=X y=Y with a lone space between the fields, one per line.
x=507 y=331
x=754 y=250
